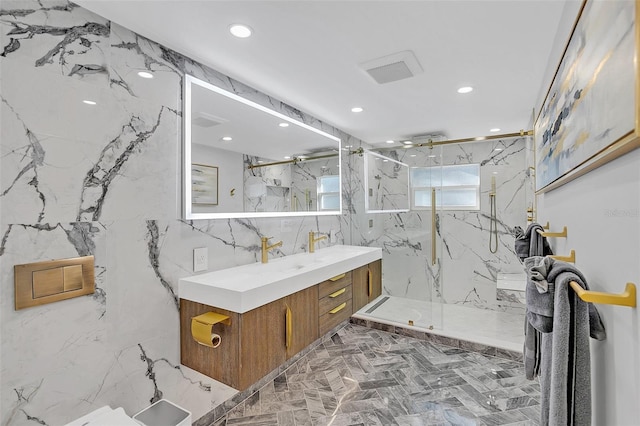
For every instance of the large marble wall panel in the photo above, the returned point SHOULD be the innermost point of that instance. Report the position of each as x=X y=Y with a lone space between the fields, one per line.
x=105 y=180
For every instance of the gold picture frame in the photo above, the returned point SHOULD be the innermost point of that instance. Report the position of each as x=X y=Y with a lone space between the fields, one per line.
x=591 y=112
x=204 y=184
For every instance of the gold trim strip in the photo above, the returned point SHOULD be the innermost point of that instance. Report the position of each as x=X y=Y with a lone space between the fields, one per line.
x=431 y=144
x=338 y=308
x=338 y=277
x=370 y=283
x=338 y=293
x=626 y=298
x=294 y=160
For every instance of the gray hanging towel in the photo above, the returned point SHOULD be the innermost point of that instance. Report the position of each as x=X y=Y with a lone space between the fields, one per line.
x=565 y=364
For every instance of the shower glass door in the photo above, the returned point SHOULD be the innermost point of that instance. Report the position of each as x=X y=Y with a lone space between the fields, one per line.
x=412 y=246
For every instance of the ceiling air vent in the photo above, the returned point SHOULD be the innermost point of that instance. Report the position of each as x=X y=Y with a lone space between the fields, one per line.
x=394 y=67
x=203 y=119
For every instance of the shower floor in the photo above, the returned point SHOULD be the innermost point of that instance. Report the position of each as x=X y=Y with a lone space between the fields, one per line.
x=488 y=327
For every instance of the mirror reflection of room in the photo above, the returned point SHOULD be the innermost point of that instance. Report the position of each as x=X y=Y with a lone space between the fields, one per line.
x=246 y=160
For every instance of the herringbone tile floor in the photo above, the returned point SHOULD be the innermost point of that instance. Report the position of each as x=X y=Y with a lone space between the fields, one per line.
x=364 y=376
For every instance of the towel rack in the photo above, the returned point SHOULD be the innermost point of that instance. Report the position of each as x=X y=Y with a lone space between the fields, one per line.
x=561 y=234
x=571 y=258
x=626 y=298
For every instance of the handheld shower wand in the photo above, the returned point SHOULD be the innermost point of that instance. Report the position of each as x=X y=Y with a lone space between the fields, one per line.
x=493 y=220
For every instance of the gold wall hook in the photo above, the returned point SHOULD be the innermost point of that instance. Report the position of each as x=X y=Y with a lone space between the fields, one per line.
x=571 y=258
x=562 y=234
x=626 y=298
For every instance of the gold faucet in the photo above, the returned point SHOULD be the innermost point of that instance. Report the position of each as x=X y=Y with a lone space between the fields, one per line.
x=313 y=240
x=266 y=247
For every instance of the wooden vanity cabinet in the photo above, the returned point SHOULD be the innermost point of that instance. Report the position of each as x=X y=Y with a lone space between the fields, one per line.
x=255 y=342
x=367 y=284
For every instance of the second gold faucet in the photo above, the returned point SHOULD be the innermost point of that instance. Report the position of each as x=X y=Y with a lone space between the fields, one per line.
x=266 y=247
x=313 y=240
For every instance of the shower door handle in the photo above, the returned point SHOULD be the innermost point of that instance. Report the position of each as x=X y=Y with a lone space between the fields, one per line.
x=433 y=226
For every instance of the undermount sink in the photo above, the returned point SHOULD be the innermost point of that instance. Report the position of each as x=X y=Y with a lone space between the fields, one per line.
x=243 y=288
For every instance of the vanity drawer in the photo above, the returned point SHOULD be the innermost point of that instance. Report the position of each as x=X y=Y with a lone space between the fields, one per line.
x=335 y=316
x=327 y=303
x=334 y=284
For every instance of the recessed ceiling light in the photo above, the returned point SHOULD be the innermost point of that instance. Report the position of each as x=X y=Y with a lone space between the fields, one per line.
x=407 y=142
x=389 y=141
x=240 y=30
x=356 y=109
x=287 y=157
x=88 y=102
x=498 y=149
x=227 y=138
x=465 y=89
x=495 y=129
x=413 y=155
x=145 y=74
x=283 y=124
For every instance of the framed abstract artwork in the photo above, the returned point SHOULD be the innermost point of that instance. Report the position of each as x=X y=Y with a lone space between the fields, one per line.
x=590 y=114
x=204 y=184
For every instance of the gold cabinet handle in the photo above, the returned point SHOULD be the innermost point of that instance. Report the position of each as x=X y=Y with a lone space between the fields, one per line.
x=337 y=277
x=338 y=308
x=288 y=327
x=433 y=226
x=370 y=282
x=338 y=293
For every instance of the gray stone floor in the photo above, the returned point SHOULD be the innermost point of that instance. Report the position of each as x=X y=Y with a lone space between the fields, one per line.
x=363 y=376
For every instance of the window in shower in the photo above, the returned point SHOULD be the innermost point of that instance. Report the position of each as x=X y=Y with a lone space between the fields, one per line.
x=328 y=192
x=457 y=187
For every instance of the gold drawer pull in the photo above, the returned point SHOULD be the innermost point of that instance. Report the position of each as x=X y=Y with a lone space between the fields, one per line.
x=288 y=327
x=338 y=308
x=337 y=293
x=370 y=282
x=337 y=277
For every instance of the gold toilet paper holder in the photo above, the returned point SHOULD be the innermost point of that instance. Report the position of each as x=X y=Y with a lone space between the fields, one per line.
x=202 y=328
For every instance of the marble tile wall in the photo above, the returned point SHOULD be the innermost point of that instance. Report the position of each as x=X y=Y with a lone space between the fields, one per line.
x=104 y=180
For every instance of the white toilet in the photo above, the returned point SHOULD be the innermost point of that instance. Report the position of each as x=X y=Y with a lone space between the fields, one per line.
x=160 y=413
x=105 y=416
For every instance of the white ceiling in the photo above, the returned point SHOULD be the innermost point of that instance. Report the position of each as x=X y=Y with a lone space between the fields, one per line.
x=306 y=53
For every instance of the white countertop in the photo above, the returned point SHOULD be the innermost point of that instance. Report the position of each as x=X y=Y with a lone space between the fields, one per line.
x=243 y=288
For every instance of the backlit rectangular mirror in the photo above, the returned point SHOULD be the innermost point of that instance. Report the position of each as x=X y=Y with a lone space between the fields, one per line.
x=387 y=184
x=242 y=159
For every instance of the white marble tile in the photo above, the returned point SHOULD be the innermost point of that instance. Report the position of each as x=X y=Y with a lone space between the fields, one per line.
x=131 y=53
x=57 y=36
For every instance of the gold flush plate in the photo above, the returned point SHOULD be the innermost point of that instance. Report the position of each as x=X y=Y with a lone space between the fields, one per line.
x=50 y=281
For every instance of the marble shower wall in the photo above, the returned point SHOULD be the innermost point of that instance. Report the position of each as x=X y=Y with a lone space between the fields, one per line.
x=104 y=180
x=465 y=272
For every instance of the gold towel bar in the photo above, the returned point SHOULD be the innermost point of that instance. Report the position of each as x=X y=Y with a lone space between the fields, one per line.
x=553 y=234
x=571 y=258
x=626 y=298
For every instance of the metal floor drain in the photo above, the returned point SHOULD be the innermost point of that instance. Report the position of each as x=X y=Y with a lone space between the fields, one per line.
x=374 y=307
